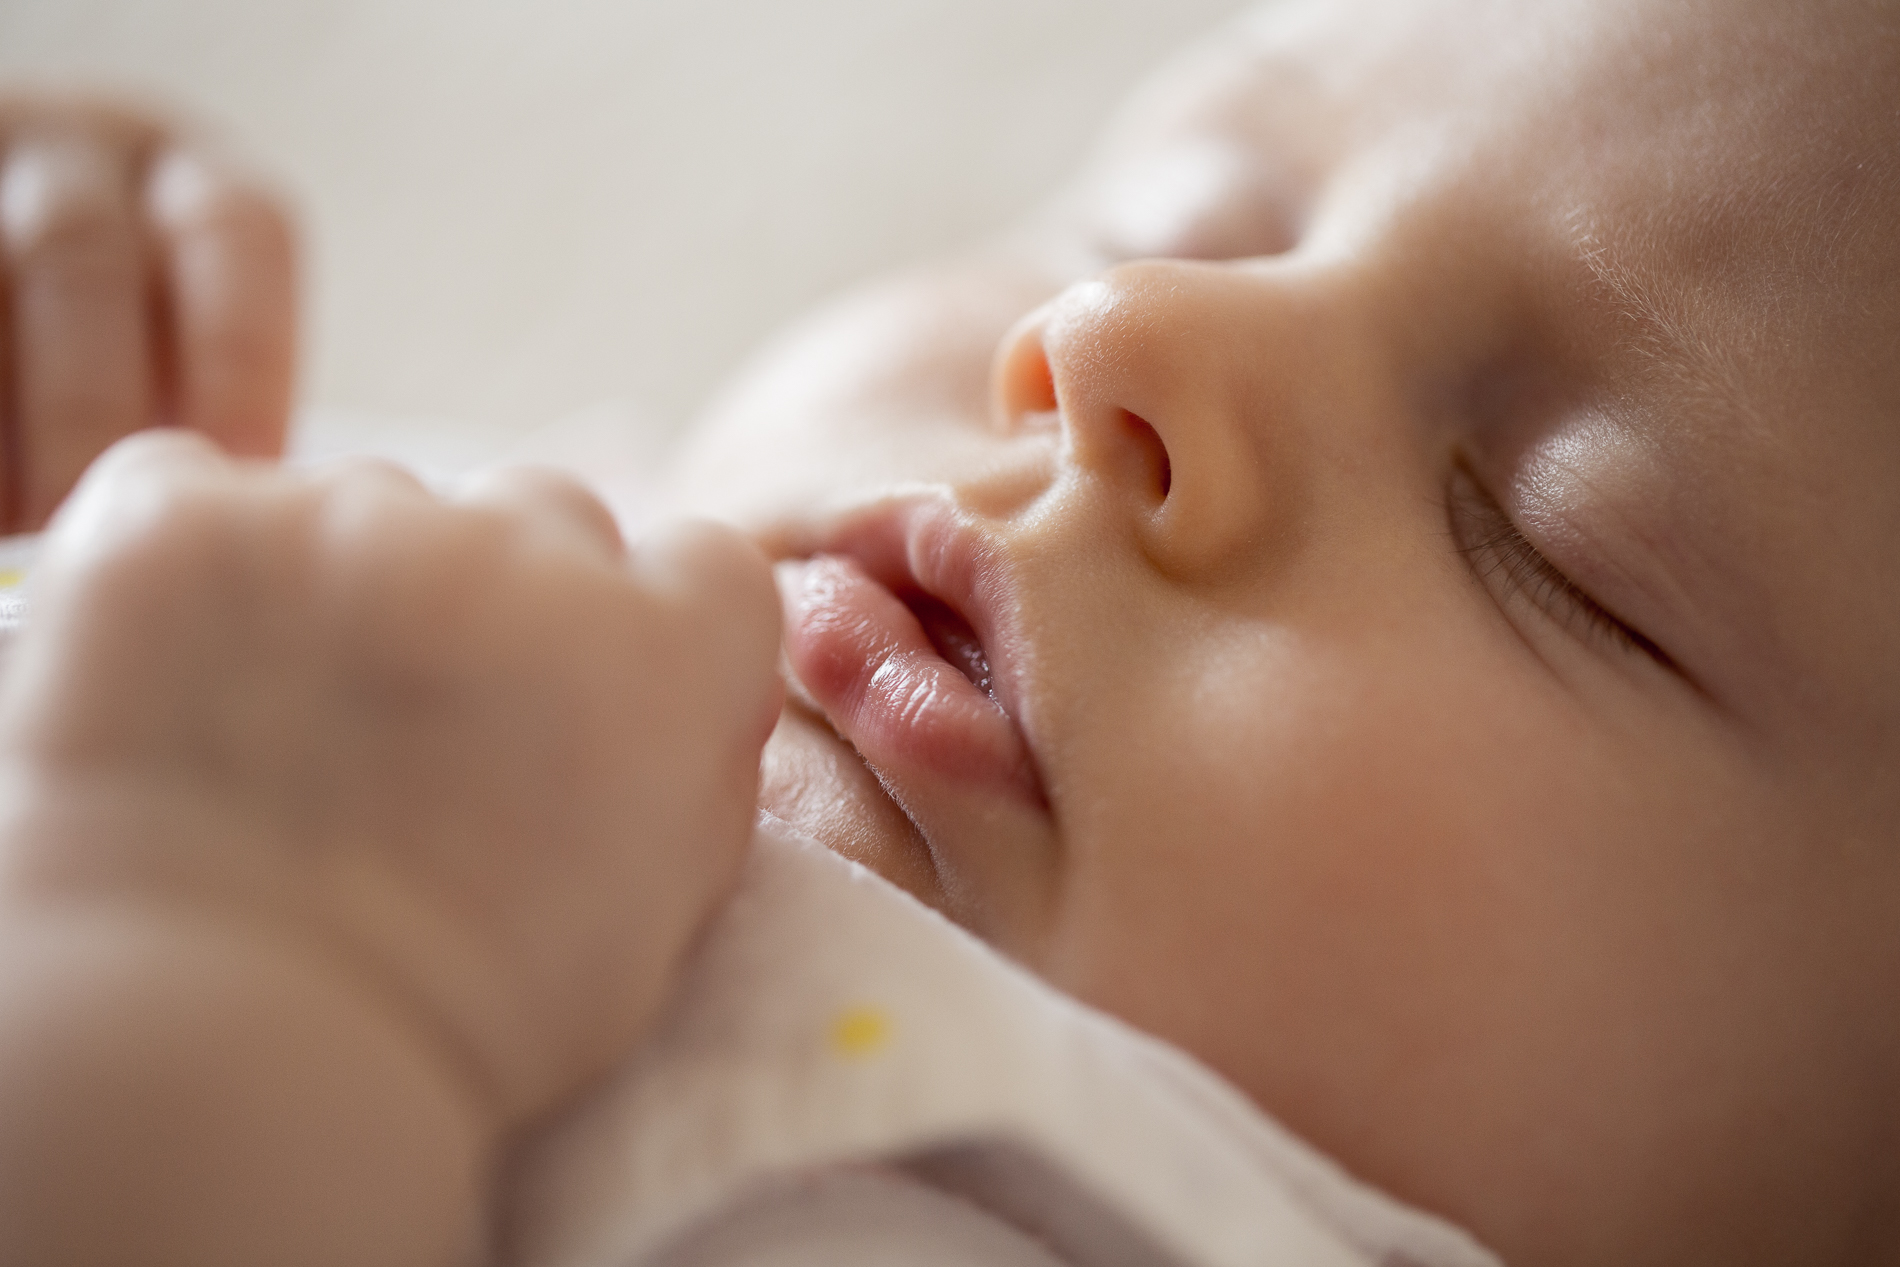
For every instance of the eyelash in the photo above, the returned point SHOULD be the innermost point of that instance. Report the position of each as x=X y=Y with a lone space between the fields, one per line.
x=1501 y=555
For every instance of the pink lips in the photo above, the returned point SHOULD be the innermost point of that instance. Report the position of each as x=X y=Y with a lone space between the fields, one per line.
x=869 y=660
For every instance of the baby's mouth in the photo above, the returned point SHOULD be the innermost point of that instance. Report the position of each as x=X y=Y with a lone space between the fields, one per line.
x=902 y=633
x=876 y=636
x=953 y=639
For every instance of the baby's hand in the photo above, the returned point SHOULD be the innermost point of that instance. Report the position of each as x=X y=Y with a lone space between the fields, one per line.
x=492 y=764
x=146 y=279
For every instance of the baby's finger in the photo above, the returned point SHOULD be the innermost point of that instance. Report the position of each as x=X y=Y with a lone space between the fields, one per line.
x=155 y=455
x=359 y=481
x=697 y=560
x=82 y=356
x=548 y=496
x=120 y=495
x=722 y=583
x=227 y=261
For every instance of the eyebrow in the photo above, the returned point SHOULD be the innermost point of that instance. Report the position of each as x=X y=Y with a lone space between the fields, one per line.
x=1690 y=329
x=1809 y=219
x=1659 y=315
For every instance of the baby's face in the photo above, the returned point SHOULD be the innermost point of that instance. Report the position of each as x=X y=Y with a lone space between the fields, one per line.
x=1413 y=616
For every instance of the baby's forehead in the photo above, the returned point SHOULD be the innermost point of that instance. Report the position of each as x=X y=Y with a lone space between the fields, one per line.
x=1711 y=88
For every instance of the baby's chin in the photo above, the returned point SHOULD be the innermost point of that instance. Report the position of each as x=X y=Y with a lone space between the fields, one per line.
x=816 y=782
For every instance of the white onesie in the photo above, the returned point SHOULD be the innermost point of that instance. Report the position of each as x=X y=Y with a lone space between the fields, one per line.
x=846 y=1078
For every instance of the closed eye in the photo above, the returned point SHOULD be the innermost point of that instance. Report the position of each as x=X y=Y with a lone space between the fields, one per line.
x=1514 y=569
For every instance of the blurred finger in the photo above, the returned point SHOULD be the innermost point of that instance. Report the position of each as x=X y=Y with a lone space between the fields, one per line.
x=692 y=556
x=157 y=450
x=9 y=433
x=115 y=485
x=721 y=582
x=126 y=123
x=549 y=496
x=227 y=264
x=377 y=476
x=718 y=572
x=82 y=359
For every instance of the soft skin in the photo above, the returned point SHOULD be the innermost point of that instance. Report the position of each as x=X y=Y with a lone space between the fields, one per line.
x=1434 y=542
x=344 y=831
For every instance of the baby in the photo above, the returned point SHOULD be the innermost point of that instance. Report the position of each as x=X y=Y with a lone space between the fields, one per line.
x=1410 y=616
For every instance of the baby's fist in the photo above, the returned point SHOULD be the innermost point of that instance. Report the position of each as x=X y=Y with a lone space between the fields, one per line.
x=495 y=765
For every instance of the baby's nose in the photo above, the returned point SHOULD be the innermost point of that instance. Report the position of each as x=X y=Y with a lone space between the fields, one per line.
x=1184 y=388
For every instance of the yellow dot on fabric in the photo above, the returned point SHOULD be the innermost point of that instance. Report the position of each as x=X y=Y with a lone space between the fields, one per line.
x=858 y=1032
x=9 y=577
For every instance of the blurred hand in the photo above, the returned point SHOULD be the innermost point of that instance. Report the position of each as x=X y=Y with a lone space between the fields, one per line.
x=476 y=748
x=146 y=279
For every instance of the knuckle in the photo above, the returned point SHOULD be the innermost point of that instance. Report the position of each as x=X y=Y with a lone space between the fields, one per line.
x=183 y=521
x=371 y=509
x=535 y=481
x=359 y=498
x=156 y=528
x=544 y=495
x=348 y=473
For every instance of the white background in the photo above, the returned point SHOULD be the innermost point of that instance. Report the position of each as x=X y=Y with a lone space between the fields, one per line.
x=517 y=209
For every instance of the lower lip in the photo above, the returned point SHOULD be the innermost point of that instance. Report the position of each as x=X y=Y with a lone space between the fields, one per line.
x=867 y=662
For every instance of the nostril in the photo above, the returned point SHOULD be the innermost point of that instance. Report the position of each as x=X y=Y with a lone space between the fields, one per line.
x=1023 y=382
x=1146 y=449
x=1038 y=385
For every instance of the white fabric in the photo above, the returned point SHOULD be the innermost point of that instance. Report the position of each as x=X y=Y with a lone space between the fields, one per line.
x=847 y=1070
x=849 y=1215
x=16 y=557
